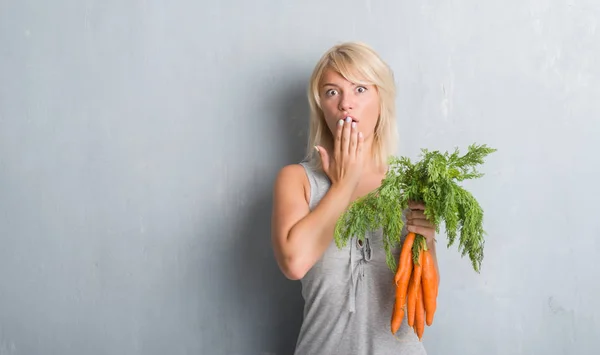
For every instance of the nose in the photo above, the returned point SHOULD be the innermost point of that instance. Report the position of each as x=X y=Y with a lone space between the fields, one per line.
x=346 y=103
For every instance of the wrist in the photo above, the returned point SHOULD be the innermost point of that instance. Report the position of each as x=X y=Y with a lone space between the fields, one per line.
x=342 y=190
x=431 y=245
x=347 y=184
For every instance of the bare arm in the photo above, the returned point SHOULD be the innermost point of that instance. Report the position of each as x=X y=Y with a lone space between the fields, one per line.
x=300 y=236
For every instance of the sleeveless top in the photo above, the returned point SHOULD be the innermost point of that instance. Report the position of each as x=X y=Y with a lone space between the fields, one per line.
x=349 y=296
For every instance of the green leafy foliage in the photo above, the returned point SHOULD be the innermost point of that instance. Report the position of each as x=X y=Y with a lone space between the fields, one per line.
x=433 y=180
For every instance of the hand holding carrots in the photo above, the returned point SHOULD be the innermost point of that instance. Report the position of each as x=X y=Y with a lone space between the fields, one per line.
x=418 y=223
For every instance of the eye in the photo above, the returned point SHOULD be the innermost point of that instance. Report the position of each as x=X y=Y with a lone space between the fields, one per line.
x=361 y=89
x=330 y=92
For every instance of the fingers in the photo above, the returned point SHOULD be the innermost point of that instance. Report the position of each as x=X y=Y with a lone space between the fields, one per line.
x=353 y=139
x=417 y=218
x=346 y=136
x=417 y=222
x=413 y=205
x=415 y=214
x=428 y=233
x=347 y=147
x=360 y=143
x=417 y=229
x=337 y=144
x=420 y=223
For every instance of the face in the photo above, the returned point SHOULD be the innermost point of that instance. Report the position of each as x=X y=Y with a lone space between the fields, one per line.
x=341 y=98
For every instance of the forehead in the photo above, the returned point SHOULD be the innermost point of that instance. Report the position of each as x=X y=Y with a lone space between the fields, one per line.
x=331 y=76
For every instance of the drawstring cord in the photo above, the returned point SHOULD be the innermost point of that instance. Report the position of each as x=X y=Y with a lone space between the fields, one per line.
x=359 y=256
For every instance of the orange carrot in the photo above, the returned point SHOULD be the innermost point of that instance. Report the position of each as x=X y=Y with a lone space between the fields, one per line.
x=429 y=282
x=403 y=260
x=411 y=301
x=401 y=280
x=397 y=313
x=413 y=289
x=420 y=314
x=437 y=283
x=404 y=269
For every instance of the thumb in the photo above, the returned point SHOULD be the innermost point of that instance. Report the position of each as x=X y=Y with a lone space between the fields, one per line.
x=324 y=157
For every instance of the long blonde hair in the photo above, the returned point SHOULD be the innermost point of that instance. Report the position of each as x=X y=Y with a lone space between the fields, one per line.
x=360 y=64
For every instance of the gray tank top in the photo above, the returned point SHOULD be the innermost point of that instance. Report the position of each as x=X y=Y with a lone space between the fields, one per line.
x=349 y=296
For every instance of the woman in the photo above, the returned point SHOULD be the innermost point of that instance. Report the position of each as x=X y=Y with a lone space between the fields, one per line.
x=348 y=293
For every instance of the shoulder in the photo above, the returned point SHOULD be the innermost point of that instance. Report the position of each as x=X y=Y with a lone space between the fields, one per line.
x=292 y=177
x=292 y=173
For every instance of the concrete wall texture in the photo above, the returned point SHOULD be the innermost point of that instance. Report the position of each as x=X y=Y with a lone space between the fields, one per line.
x=139 y=141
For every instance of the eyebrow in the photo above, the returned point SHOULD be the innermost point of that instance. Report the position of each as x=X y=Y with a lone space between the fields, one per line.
x=330 y=84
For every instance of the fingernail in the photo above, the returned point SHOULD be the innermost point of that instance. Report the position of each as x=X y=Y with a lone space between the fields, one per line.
x=341 y=122
x=348 y=119
x=360 y=134
x=317 y=149
x=353 y=124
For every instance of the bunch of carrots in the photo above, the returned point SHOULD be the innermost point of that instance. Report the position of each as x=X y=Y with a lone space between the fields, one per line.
x=435 y=180
x=416 y=282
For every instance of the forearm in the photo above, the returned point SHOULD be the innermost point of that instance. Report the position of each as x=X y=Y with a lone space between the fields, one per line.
x=308 y=239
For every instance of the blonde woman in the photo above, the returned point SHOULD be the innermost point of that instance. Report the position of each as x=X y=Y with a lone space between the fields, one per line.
x=348 y=293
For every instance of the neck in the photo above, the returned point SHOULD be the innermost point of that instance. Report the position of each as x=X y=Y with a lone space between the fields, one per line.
x=370 y=165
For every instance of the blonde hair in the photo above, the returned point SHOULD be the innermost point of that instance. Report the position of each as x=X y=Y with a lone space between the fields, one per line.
x=360 y=64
